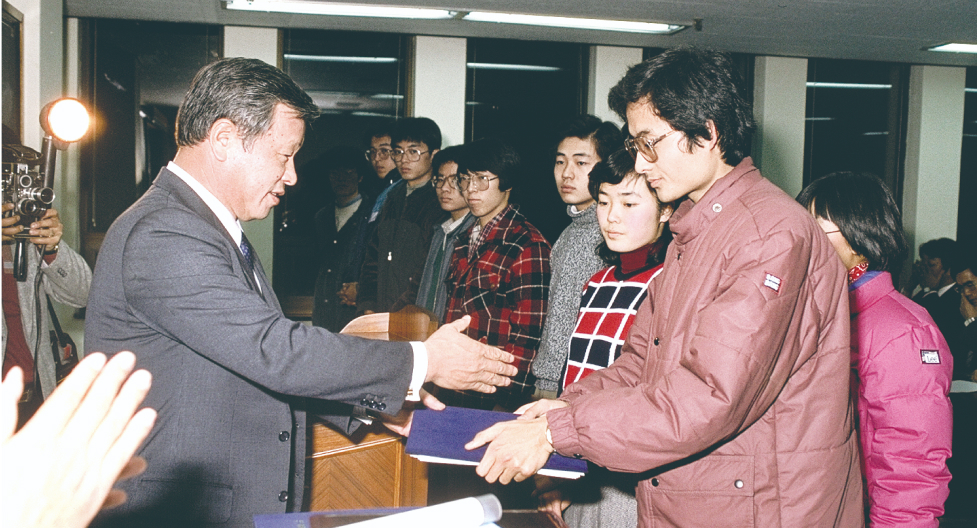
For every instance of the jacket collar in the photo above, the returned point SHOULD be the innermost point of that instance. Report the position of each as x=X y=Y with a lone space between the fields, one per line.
x=690 y=219
x=869 y=293
x=182 y=193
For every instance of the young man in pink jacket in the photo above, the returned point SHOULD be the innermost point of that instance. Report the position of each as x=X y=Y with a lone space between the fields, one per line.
x=732 y=389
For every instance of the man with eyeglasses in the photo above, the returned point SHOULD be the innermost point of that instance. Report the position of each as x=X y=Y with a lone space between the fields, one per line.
x=731 y=393
x=432 y=293
x=398 y=247
x=500 y=273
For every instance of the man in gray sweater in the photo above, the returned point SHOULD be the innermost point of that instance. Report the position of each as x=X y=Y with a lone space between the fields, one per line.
x=583 y=141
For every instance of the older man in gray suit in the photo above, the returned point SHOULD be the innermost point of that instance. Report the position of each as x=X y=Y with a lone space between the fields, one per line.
x=178 y=283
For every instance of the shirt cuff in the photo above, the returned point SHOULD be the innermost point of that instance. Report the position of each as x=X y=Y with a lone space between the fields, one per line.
x=420 y=371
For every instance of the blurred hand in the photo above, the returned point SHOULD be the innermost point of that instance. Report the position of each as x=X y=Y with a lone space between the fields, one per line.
x=401 y=423
x=455 y=361
x=348 y=293
x=549 y=496
x=60 y=468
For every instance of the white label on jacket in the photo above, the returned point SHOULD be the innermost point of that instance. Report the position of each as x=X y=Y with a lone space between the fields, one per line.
x=772 y=282
x=930 y=356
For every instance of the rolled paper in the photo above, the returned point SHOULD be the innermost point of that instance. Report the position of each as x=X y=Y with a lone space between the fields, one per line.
x=462 y=513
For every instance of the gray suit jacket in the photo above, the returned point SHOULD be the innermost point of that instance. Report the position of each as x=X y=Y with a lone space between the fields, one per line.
x=232 y=377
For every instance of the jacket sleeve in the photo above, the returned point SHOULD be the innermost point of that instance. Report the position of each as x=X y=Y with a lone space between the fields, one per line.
x=68 y=278
x=907 y=409
x=184 y=282
x=729 y=372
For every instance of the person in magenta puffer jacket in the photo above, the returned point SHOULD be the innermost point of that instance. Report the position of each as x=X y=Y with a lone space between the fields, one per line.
x=902 y=367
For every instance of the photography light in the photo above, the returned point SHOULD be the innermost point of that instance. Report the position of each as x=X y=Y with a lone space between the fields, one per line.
x=28 y=177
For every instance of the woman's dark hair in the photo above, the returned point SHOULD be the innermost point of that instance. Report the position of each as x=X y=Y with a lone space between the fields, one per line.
x=688 y=87
x=865 y=213
x=495 y=156
x=612 y=171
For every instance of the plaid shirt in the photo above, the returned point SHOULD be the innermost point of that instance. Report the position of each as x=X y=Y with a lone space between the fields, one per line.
x=503 y=283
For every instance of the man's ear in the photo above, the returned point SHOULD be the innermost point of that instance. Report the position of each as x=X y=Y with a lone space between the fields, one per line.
x=713 y=134
x=222 y=138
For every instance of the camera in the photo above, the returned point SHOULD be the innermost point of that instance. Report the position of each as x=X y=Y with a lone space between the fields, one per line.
x=28 y=176
x=24 y=186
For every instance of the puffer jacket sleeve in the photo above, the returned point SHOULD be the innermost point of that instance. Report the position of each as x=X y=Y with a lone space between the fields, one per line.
x=906 y=408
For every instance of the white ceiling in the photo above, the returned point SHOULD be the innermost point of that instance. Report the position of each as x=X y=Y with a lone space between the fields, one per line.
x=884 y=30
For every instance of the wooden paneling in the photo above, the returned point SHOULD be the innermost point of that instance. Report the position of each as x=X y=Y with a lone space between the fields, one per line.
x=370 y=469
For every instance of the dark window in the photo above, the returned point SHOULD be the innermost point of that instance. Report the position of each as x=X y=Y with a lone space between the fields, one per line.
x=134 y=76
x=358 y=80
x=11 y=76
x=967 y=213
x=855 y=119
x=520 y=92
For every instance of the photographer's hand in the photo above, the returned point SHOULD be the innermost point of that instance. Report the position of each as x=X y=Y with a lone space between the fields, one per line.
x=48 y=231
x=10 y=227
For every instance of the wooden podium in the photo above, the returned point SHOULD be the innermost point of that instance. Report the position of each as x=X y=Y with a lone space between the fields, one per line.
x=370 y=470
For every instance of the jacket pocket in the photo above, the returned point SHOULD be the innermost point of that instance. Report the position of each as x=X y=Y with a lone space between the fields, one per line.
x=484 y=288
x=713 y=491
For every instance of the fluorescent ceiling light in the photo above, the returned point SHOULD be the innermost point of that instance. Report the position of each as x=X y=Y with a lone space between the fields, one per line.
x=819 y=119
x=325 y=8
x=956 y=47
x=575 y=23
x=970 y=90
x=510 y=67
x=339 y=58
x=856 y=86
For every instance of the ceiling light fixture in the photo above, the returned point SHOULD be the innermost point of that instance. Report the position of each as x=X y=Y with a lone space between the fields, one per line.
x=955 y=47
x=510 y=67
x=855 y=86
x=575 y=23
x=333 y=9
x=339 y=58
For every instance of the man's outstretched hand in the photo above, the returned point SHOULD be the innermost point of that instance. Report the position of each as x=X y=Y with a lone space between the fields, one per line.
x=458 y=362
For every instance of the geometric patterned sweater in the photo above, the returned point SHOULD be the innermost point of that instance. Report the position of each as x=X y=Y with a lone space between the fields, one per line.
x=607 y=310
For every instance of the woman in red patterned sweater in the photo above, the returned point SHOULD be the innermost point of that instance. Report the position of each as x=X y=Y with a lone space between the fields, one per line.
x=634 y=226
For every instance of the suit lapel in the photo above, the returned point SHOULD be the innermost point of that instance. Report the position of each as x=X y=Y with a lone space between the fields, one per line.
x=182 y=192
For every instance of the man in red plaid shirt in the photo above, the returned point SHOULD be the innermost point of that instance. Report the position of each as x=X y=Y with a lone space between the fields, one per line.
x=500 y=273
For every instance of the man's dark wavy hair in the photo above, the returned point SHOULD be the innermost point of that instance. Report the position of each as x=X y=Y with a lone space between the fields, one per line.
x=605 y=135
x=687 y=88
x=865 y=212
x=612 y=171
x=246 y=91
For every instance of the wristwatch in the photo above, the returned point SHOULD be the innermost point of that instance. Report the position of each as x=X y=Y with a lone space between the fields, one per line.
x=53 y=251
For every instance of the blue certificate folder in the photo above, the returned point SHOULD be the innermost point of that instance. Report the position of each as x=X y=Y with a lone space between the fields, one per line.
x=440 y=437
